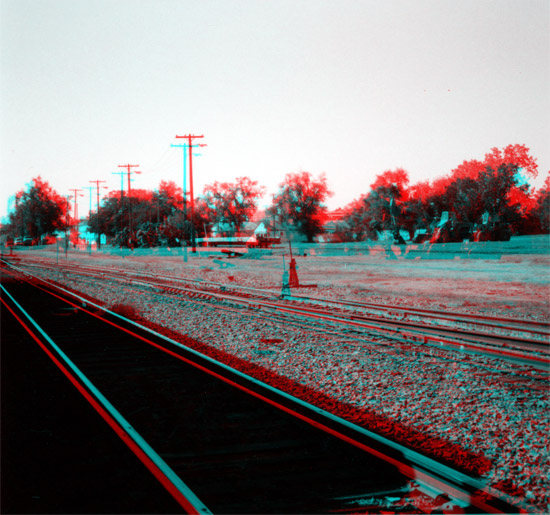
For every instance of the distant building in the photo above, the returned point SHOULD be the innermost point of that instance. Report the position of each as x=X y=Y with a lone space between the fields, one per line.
x=335 y=215
x=247 y=229
x=258 y=216
x=334 y=218
x=86 y=235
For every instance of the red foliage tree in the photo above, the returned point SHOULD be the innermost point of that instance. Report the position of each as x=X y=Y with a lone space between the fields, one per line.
x=517 y=155
x=233 y=203
x=541 y=210
x=40 y=211
x=396 y=181
x=495 y=185
x=170 y=195
x=299 y=204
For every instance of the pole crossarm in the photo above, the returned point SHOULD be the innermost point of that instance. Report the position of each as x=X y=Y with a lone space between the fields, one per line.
x=190 y=136
x=129 y=172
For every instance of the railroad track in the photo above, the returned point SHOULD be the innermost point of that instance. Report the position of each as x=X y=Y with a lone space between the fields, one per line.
x=535 y=330
x=519 y=341
x=221 y=441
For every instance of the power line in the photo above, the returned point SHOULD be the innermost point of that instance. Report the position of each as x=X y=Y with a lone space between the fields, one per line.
x=164 y=160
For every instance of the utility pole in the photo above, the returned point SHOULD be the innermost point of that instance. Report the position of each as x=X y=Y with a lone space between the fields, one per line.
x=190 y=138
x=76 y=195
x=89 y=188
x=67 y=220
x=19 y=228
x=184 y=147
x=121 y=195
x=130 y=229
x=97 y=182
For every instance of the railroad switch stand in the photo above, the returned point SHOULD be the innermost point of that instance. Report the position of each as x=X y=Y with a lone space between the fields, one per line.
x=290 y=278
x=293 y=279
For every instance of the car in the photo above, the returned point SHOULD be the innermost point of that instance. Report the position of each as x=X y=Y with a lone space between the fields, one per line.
x=23 y=242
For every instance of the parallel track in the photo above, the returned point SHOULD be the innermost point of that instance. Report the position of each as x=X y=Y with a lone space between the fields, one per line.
x=514 y=340
x=222 y=440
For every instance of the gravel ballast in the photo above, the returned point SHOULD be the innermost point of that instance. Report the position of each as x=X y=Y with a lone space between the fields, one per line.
x=487 y=416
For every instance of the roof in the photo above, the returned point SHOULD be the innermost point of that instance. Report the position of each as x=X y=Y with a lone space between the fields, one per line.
x=335 y=215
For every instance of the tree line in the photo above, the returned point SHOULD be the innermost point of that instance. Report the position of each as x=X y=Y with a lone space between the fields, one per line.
x=496 y=186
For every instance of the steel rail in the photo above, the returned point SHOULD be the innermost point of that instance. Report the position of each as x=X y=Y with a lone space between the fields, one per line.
x=438 y=336
x=427 y=335
x=417 y=466
x=136 y=443
x=351 y=339
x=495 y=322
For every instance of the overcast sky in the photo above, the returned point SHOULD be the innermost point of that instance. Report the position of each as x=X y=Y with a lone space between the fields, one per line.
x=349 y=87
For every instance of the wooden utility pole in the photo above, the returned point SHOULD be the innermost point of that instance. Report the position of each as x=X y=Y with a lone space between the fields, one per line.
x=76 y=195
x=97 y=183
x=184 y=146
x=76 y=190
x=190 y=138
x=89 y=188
x=121 y=195
x=67 y=222
x=130 y=229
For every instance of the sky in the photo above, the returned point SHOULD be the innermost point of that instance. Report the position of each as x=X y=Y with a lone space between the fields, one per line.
x=349 y=88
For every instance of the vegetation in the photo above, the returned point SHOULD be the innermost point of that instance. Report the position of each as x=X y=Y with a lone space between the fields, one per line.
x=541 y=211
x=495 y=186
x=299 y=204
x=232 y=204
x=475 y=191
x=40 y=212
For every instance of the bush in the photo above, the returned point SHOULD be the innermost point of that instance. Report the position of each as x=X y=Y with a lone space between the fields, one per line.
x=125 y=310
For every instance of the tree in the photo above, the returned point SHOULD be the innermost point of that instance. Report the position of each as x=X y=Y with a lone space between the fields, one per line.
x=201 y=220
x=386 y=206
x=112 y=217
x=541 y=210
x=517 y=155
x=396 y=180
x=299 y=202
x=233 y=203
x=387 y=198
x=495 y=185
x=357 y=220
x=148 y=208
x=170 y=196
x=40 y=211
